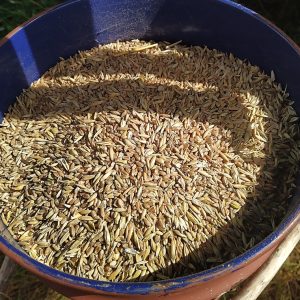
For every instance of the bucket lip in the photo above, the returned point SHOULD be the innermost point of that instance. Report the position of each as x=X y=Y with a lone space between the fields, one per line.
x=179 y=282
x=162 y=285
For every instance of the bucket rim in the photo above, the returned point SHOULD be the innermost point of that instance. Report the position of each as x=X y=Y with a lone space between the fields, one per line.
x=142 y=288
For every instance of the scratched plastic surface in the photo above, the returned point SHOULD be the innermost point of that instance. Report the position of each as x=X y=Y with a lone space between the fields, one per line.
x=82 y=24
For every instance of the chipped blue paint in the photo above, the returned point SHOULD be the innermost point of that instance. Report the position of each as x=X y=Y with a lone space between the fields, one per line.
x=78 y=25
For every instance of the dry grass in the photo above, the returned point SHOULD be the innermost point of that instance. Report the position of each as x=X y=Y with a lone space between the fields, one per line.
x=286 y=284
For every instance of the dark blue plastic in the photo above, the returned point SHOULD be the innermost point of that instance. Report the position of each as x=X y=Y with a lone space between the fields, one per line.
x=82 y=24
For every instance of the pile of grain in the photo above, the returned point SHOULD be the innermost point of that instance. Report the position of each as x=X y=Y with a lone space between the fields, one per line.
x=140 y=161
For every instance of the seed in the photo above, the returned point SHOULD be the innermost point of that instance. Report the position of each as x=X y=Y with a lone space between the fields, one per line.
x=136 y=274
x=131 y=251
x=114 y=274
x=132 y=156
x=173 y=250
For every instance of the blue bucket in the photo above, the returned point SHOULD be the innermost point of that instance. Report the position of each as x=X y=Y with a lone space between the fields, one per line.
x=32 y=48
